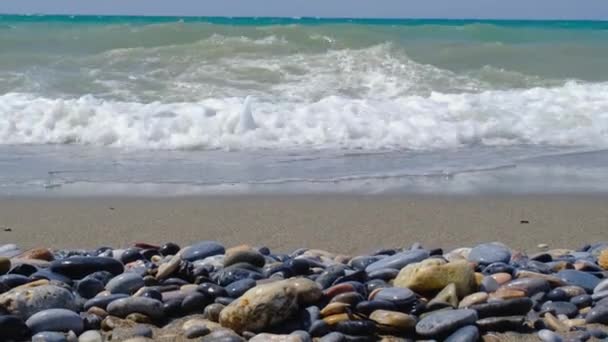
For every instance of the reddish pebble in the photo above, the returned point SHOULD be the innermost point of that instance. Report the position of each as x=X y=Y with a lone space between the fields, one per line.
x=338 y=289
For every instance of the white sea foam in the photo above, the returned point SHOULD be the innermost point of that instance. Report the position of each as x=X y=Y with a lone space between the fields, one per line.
x=574 y=114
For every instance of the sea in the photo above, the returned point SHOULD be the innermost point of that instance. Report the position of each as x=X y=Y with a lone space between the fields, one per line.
x=165 y=106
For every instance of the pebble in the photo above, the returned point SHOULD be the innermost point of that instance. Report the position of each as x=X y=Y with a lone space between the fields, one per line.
x=90 y=336
x=49 y=336
x=196 y=331
x=28 y=300
x=396 y=295
x=239 y=287
x=579 y=278
x=501 y=324
x=399 y=260
x=468 y=333
x=78 y=267
x=488 y=253
x=509 y=307
x=5 y=265
x=61 y=320
x=599 y=314
x=13 y=328
x=125 y=306
x=202 y=250
x=560 y=308
x=126 y=283
x=243 y=253
x=444 y=322
x=549 y=336
x=433 y=275
x=396 y=321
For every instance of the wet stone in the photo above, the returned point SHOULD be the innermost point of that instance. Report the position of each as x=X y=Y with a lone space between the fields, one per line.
x=125 y=306
x=25 y=302
x=78 y=267
x=445 y=322
x=468 y=333
x=395 y=321
x=581 y=301
x=202 y=250
x=399 y=260
x=239 y=287
x=55 y=320
x=126 y=283
x=560 y=308
x=49 y=336
x=245 y=254
x=582 y=279
x=358 y=327
x=486 y=254
x=396 y=295
x=509 y=307
x=13 y=328
x=598 y=314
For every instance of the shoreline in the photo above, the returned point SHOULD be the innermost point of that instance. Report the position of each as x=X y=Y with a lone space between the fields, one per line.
x=346 y=224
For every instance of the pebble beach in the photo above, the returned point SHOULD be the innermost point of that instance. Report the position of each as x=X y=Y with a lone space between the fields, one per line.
x=205 y=291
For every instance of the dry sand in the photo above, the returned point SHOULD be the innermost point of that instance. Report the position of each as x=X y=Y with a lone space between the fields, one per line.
x=345 y=224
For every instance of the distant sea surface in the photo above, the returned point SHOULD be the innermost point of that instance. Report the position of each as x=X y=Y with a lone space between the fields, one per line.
x=164 y=105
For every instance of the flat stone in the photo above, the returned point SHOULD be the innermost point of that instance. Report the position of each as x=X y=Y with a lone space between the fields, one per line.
x=501 y=324
x=334 y=308
x=13 y=328
x=434 y=275
x=78 y=267
x=489 y=253
x=601 y=286
x=126 y=283
x=399 y=260
x=144 y=305
x=531 y=286
x=396 y=295
x=61 y=320
x=585 y=280
x=546 y=335
x=472 y=299
x=165 y=270
x=26 y=301
x=441 y=323
x=103 y=301
x=239 y=287
x=468 y=333
x=560 y=308
x=509 y=307
x=49 y=336
x=202 y=250
x=446 y=298
x=396 y=321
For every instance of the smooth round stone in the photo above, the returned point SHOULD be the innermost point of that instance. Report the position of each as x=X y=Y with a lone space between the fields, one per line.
x=367 y=307
x=5 y=265
x=212 y=311
x=549 y=336
x=599 y=314
x=557 y=295
x=78 y=267
x=126 y=283
x=13 y=280
x=49 y=336
x=89 y=287
x=472 y=299
x=359 y=327
x=90 y=336
x=196 y=331
x=202 y=250
x=212 y=290
x=352 y=298
x=238 y=288
x=131 y=254
x=26 y=301
x=396 y=320
x=330 y=275
x=578 y=278
x=169 y=248
x=384 y=274
x=444 y=322
x=333 y=337
x=397 y=295
x=468 y=333
x=601 y=286
x=125 y=306
x=582 y=301
x=13 y=328
x=501 y=324
x=488 y=253
x=374 y=284
x=103 y=301
x=560 y=308
x=151 y=293
x=46 y=274
x=319 y=328
x=531 y=286
x=488 y=284
x=245 y=254
x=195 y=302
x=399 y=260
x=509 y=307
x=55 y=320
x=361 y=262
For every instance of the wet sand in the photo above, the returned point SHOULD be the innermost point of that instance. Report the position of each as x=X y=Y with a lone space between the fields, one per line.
x=345 y=224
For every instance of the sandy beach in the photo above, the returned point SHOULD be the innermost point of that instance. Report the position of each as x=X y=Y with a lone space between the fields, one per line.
x=345 y=224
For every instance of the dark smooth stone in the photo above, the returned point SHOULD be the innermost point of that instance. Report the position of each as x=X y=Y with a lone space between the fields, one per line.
x=399 y=260
x=498 y=267
x=560 y=308
x=224 y=300
x=298 y=266
x=532 y=286
x=397 y=295
x=367 y=307
x=49 y=336
x=264 y=250
x=131 y=254
x=597 y=333
x=195 y=301
x=276 y=269
x=537 y=266
x=599 y=314
x=509 y=307
x=502 y=324
x=436 y=252
x=228 y=276
x=489 y=253
x=175 y=281
x=103 y=301
x=319 y=328
x=581 y=301
x=202 y=250
x=169 y=248
x=212 y=290
x=14 y=280
x=541 y=257
x=151 y=293
x=309 y=316
x=375 y=284
x=23 y=269
x=90 y=321
x=358 y=327
x=55 y=320
x=143 y=331
x=329 y=276
x=13 y=328
x=149 y=253
x=352 y=298
x=444 y=322
x=468 y=333
x=361 y=262
x=196 y=331
x=383 y=274
x=385 y=251
x=537 y=300
x=582 y=279
x=125 y=306
x=46 y=274
x=89 y=287
x=488 y=284
x=79 y=267
x=238 y=288
x=350 y=276
x=557 y=295
x=102 y=276
x=172 y=308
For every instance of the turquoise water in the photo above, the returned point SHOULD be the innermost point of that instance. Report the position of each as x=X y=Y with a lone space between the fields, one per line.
x=294 y=100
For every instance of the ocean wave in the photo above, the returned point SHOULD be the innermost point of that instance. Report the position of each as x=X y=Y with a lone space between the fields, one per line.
x=575 y=114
